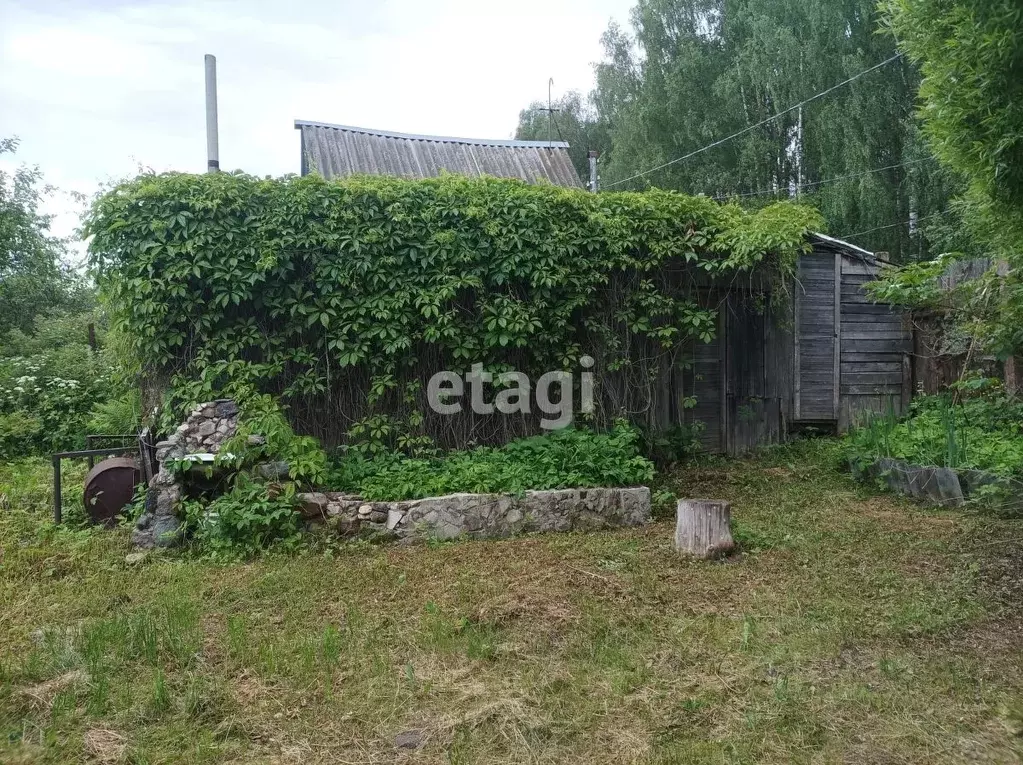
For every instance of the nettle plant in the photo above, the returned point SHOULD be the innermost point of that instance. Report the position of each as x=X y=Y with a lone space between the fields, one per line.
x=343 y=297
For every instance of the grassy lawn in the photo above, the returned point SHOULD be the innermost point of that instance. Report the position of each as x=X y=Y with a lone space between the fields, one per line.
x=854 y=628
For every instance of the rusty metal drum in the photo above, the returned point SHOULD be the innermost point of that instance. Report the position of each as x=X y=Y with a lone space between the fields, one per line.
x=109 y=487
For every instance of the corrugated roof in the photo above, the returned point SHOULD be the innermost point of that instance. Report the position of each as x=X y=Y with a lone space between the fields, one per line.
x=340 y=150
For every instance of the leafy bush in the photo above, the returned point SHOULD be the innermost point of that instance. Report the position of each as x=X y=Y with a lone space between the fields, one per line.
x=563 y=459
x=250 y=517
x=983 y=432
x=258 y=509
x=54 y=388
x=117 y=415
x=264 y=436
x=44 y=413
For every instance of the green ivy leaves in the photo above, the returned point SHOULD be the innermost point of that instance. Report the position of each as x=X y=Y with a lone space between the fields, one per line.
x=308 y=280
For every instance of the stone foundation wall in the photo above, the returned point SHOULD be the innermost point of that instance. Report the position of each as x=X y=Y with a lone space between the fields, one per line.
x=480 y=516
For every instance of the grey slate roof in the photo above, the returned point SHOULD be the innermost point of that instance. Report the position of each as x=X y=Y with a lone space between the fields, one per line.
x=340 y=150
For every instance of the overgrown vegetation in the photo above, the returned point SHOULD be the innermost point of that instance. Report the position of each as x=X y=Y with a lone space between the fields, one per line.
x=983 y=432
x=344 y=297
x=970 y=53
x=569 y=458
x=54 y=387
x=853 y=628
x=249 y=502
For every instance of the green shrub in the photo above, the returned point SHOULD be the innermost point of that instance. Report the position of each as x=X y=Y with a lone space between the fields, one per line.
x=983 y=432
x=569 y=458
x=117 y=415
x=265 y=436
x=54 y=388
x=258 y=510
x=44 y=413
x=250 y=517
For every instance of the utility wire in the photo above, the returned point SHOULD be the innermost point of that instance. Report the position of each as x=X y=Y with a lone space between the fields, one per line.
x=758 y=124
x=893 y=225
x=821 y=182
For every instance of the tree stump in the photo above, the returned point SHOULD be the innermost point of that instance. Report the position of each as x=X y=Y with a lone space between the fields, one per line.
x=702 y=528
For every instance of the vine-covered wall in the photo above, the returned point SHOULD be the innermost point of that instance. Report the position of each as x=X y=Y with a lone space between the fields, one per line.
x=344 y=297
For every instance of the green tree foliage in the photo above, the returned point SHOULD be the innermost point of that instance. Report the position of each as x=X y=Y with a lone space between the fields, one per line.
x=35 y=279
x=691 y=72
x=575 y=122
x=350 y=294
x=970 y=54
x=51 y=380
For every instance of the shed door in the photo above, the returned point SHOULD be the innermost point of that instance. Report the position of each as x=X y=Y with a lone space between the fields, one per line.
x=816 y=334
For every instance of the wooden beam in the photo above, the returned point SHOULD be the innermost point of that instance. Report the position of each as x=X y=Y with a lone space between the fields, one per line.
x=907 y=383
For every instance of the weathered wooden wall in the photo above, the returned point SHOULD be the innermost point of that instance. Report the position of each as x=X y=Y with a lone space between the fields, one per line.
x=742 y=380
x=758 y=378
x=822 y=354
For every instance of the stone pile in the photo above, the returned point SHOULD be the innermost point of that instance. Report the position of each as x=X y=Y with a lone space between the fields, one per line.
x=480 y=516
x=204 y=432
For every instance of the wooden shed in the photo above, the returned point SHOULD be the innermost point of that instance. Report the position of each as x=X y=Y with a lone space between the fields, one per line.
x=822 y=354
x=851 y=355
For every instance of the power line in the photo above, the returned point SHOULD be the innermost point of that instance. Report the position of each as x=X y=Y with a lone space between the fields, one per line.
x=759 y=124
x=893 y=225
x=823 y=181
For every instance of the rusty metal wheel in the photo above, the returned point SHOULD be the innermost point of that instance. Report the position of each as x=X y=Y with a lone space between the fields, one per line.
x=109 y=487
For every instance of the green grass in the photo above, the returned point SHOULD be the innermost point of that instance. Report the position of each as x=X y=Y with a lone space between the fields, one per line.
x=855 y=628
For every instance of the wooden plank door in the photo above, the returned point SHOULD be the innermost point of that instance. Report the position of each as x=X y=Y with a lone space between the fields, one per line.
x=817 y=322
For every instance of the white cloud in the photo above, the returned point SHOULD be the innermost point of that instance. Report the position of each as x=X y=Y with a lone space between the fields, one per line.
x=96 y=89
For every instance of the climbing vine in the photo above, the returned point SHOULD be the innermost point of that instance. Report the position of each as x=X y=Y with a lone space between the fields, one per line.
x=341 y=297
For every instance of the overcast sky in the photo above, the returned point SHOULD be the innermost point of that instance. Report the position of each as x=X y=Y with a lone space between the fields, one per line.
x=96 y=88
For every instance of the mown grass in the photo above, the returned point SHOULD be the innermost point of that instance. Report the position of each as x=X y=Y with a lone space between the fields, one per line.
x=853 y=628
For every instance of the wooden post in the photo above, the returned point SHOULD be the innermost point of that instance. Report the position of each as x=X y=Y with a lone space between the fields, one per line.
x=907 y=384
x=723 y=360
x=702 y=528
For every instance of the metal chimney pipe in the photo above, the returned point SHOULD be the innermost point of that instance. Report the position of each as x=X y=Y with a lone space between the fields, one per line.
x=592 y=155
x=212 y=136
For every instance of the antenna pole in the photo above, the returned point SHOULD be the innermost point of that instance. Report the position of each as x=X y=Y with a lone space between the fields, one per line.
x=212 y=136
x=550 y=113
